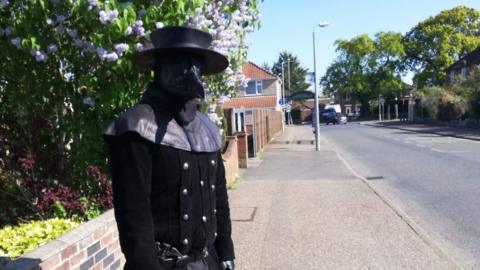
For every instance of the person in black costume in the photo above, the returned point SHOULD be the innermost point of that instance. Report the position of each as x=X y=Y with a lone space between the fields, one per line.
x=169 y=187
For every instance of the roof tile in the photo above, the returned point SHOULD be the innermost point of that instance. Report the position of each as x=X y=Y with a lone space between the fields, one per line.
x=254 y=72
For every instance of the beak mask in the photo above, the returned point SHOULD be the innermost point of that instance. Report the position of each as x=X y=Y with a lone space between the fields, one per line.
x=180 y=76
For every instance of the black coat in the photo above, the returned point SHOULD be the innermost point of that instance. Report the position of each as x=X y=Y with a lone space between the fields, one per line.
x=169 y=195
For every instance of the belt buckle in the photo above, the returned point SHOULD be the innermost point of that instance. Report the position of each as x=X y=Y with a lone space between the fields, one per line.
x=205 y=252
x=181 y=259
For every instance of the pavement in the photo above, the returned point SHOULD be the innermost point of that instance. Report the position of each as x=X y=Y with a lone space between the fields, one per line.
x=469 y=133
x=296 y=208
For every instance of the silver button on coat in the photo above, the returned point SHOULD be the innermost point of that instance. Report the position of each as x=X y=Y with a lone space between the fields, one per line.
x=202 y=183
x=185 y=241
x=185 y=166
x=204 y=219
x=213 y=162
x=185 y=191
x=185 y=217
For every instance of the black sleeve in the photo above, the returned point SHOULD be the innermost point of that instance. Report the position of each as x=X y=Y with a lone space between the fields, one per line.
x=131 y=166
x=223 y=243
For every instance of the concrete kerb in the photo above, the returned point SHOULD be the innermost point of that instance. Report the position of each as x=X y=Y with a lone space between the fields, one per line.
x=417 y=229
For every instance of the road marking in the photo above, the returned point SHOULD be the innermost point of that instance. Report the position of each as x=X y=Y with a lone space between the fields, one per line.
x=450 y=151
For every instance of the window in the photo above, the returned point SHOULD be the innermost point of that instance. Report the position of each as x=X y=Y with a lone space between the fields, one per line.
x=348 y=110
x=240 y=121
x=254 y=88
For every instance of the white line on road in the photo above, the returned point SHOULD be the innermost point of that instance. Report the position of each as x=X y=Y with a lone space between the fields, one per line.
x=450 y=151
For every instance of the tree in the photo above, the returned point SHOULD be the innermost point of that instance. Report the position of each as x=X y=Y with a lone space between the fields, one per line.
x=295 y=81
x=266 y=66
x=437 y=42
x=66 y=72
x=366 y=67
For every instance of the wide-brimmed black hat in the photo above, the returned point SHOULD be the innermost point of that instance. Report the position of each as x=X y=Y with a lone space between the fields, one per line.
x=184 y=40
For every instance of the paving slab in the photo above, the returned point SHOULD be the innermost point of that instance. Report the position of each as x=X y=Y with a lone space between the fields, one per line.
x=301 y=209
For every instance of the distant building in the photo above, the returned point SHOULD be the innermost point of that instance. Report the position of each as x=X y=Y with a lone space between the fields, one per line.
x=463 y=67
x=263 y=91
x=255 y=110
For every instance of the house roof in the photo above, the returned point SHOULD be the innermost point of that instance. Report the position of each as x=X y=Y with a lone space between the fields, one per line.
x=254 y=72
x=251 y=102
x=470 y=58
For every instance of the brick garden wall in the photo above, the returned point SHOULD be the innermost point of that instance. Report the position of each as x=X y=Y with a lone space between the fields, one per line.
x=230 y=158
x=92 y=245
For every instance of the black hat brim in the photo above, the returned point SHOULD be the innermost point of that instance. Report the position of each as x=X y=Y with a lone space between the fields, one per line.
x=214 y=62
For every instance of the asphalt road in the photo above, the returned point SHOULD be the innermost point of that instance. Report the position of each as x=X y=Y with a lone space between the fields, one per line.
x=435 y=180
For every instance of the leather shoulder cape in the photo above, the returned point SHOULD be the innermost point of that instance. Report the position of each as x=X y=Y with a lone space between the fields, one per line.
x=199 y=135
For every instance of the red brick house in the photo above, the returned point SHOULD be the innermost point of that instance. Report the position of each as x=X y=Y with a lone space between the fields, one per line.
x=263 y=90
x=462 y=67
x=255 y=110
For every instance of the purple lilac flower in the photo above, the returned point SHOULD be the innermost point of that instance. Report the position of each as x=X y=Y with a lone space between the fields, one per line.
x=139 y=47
x=8 y=31
x=92 y=2
x=52 y=48
x=78 y=42
x=88 y=46
x=138 y=28
x=41 y=56
x=4 y=3
x=72 y=32
x=89 y=101
x=16 y=42
x=101 y=52
x=60 y=29
x=128 y=31
x=121 y=48
x=107 y=16
x=111 y=57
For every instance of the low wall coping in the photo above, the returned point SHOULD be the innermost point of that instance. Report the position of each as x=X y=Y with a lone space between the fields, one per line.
x=31 y=260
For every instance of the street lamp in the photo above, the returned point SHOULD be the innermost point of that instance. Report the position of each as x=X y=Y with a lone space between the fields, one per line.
x=283 y=95
x=317 y=110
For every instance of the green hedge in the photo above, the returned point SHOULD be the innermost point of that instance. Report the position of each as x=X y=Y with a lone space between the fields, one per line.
x=18 y=240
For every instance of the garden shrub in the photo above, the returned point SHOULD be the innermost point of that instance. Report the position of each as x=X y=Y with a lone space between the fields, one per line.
x=18 y=240
x=66 y=72
x=471 y=90
x=443 y=104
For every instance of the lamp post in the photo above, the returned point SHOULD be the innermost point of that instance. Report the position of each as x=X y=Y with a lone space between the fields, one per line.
x=289 y=74
x=317 y=110
x=283 y=95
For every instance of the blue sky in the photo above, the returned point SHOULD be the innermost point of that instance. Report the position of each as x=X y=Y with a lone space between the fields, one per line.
x=287 y=25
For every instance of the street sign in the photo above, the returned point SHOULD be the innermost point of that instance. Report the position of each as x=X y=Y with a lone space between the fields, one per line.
x=281 y=101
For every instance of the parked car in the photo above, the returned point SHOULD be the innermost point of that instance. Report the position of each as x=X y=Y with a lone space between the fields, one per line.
x=342 y=118
x=330 y=115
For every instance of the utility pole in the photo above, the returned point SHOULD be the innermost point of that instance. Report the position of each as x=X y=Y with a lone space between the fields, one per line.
x=317 y=109
x=289 y=74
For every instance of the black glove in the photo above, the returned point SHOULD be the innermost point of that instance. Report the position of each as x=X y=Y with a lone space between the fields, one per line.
x=228 y=265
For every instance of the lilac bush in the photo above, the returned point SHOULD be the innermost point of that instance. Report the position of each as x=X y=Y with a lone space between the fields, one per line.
x=66 y=72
